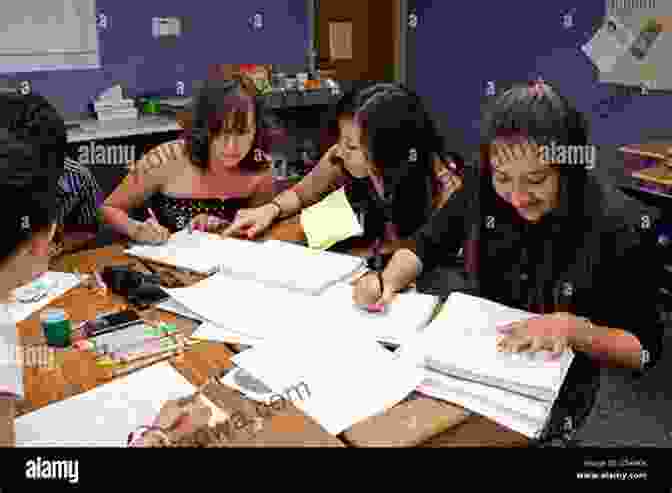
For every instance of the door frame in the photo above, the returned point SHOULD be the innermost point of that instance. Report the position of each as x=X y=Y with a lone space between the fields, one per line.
x=406 y=40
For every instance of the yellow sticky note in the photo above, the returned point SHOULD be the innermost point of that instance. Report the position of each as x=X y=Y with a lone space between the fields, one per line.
x=329 y=221
x=648 y=73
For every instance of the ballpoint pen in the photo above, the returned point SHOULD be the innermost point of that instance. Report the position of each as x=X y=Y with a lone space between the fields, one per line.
x=375 y=263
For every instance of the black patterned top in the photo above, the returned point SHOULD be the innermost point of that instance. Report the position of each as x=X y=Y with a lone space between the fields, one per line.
x=175 y=213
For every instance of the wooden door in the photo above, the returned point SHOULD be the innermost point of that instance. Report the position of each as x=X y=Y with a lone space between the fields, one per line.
x=358 y=40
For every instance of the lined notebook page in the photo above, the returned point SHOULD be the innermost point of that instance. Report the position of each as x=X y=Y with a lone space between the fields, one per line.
x=464 y=336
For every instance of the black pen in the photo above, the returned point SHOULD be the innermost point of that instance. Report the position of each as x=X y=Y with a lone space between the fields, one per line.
x=376 y=264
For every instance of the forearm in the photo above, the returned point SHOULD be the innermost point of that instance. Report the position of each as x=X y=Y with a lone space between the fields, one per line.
x=610 y=347
x=118 y=219
x=402 y=269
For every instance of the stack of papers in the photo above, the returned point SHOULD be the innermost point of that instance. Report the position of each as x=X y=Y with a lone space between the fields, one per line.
x=254 y=312
x=105 y=415
x=338 y=383
x=329 y=221
x=459 y=353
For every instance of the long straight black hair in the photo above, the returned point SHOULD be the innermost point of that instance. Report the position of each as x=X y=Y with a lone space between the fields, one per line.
x=401 y=140
x=536 y=112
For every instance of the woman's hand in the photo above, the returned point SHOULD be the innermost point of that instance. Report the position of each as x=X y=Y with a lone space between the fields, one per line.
x=206 y=223
x=367 y=292
x=252 y=222
x=178 y=418
x=148 y=232
x=555 y=333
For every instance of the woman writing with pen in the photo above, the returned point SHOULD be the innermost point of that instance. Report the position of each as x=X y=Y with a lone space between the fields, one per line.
x=220 y=166
x=391 y=160
x=547 y=237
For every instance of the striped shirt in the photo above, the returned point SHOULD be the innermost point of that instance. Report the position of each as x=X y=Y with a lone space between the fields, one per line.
x=78 y=195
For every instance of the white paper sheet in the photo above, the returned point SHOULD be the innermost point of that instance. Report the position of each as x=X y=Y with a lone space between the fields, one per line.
x=11 y=372
x=105 y=415
x=57 y=284
x=199 y=252
x=404 y=317
x=349 y=379
x=248 y=307
x=284 y=264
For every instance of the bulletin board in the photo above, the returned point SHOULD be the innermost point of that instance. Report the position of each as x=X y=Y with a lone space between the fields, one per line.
x=650 y=65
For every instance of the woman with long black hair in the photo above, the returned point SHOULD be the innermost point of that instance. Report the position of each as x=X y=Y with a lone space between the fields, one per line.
x=541 y=233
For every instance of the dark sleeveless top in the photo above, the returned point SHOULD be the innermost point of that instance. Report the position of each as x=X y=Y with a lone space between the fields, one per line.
x=176 y=213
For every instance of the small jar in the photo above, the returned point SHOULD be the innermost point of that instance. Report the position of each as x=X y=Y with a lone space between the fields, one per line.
x=57 y=327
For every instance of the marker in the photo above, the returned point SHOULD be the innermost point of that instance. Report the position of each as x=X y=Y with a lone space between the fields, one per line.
x=152 y=215
x=100 y=281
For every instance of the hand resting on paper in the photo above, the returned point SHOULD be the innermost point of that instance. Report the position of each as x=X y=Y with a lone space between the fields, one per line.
x=555 y=333
x=177 y=418
x=252 y=222
x=208 y=224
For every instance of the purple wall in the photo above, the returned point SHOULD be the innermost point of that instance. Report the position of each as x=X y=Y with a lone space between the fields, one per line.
x=462 y=45
x=216 y=32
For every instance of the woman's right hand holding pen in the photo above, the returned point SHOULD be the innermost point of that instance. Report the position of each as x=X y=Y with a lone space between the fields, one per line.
x=149 y=231
x=376 y=288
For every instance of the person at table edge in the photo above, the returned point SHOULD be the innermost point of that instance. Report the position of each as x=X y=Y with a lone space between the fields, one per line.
x=221 y=165
x=32 y=153
x=391 y=160
x=550 y=238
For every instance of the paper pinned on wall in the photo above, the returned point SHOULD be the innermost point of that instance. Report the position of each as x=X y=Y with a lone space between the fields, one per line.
x=329 y=221
x=340 y=40
x=608 y=44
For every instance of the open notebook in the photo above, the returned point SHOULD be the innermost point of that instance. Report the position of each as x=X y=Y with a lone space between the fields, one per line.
x=198 y=252
x=462 y=342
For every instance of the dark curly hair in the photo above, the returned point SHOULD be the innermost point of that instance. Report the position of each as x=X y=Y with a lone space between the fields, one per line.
x=32 y=156
x=220 y=104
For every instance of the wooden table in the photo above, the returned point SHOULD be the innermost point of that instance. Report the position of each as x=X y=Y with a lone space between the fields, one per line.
x=77 y=372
